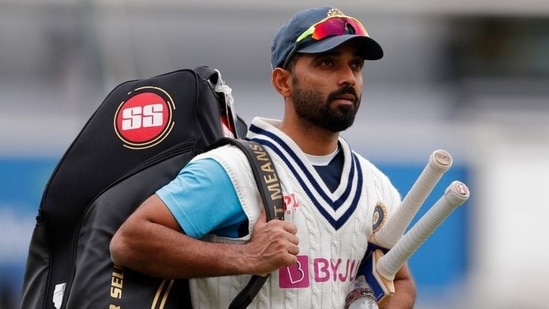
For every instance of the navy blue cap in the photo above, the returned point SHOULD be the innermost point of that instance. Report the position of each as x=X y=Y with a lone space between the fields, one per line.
x=284 y=41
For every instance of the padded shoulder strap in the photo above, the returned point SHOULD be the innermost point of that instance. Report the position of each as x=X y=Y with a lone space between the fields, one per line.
x=265 y=175
x=270 y=190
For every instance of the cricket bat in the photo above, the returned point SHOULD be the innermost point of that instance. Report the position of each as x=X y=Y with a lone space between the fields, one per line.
x=380 y=267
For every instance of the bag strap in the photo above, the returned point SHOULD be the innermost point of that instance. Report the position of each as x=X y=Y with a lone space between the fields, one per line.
x=271 y=194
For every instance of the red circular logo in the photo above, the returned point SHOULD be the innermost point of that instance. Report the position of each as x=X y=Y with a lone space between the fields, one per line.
x=145 y=118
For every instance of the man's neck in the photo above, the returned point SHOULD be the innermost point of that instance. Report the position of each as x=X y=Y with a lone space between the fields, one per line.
x=312 y=140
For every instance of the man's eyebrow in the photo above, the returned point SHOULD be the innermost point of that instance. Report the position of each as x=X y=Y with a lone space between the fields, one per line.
x=332 y=52
x=336 y=52
x=327 y=54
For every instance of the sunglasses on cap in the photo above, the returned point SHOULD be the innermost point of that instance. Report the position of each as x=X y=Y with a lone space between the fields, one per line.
x=327 y=27
x=331 y=26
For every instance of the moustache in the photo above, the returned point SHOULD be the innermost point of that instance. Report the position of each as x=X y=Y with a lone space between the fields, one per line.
x=343 y=91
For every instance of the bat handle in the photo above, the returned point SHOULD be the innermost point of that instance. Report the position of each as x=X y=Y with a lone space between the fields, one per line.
x=439 y=162
x=455 y=195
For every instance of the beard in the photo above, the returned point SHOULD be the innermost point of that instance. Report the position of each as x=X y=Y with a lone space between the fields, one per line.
x=310 y=105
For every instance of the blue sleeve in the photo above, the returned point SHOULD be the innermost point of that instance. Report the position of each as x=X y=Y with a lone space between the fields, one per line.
x=203 y=200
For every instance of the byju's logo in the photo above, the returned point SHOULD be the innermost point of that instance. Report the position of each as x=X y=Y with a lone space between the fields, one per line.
x=145 y=118
x=319 y=270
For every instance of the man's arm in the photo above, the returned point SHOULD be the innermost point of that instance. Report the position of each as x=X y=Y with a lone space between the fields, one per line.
x=405 y=291
x=152 y=242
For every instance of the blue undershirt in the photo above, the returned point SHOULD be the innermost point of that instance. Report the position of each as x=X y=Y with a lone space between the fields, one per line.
x=218 y=209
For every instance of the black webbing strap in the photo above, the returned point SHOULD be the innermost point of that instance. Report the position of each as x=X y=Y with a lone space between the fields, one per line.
x=271 y=194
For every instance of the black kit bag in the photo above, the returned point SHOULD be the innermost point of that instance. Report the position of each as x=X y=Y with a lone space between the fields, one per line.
x=138 y=139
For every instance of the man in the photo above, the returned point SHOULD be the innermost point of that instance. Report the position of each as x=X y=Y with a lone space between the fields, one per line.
x=208 y=223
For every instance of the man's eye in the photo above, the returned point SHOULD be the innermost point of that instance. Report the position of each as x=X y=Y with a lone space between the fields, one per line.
x=358 y=65
x=326 y=62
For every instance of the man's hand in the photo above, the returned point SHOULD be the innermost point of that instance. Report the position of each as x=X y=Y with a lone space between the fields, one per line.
x=405 y=291
x=273 y=244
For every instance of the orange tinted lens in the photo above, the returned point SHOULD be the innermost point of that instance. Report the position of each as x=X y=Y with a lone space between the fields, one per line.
x=338 y=26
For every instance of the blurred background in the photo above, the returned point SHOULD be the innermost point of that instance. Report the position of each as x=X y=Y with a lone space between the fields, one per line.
x=471 y=77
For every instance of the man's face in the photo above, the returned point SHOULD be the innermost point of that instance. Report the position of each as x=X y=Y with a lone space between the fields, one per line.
x=327 y=87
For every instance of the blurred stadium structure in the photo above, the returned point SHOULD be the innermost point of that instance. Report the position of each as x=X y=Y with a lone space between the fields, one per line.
x=471 y=77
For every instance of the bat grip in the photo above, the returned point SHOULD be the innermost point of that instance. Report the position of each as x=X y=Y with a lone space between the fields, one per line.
x=455 y=195
x=439 y=162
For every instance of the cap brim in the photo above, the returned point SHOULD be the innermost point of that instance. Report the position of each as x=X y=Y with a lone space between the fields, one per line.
x=369 y=48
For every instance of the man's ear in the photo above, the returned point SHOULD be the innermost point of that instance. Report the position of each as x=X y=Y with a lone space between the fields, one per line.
x=282 y=81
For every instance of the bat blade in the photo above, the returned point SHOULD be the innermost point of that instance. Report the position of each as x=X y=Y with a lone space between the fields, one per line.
x=381 y=287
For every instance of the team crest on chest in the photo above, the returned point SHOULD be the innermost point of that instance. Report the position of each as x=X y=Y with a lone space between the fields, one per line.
x=379 y=217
